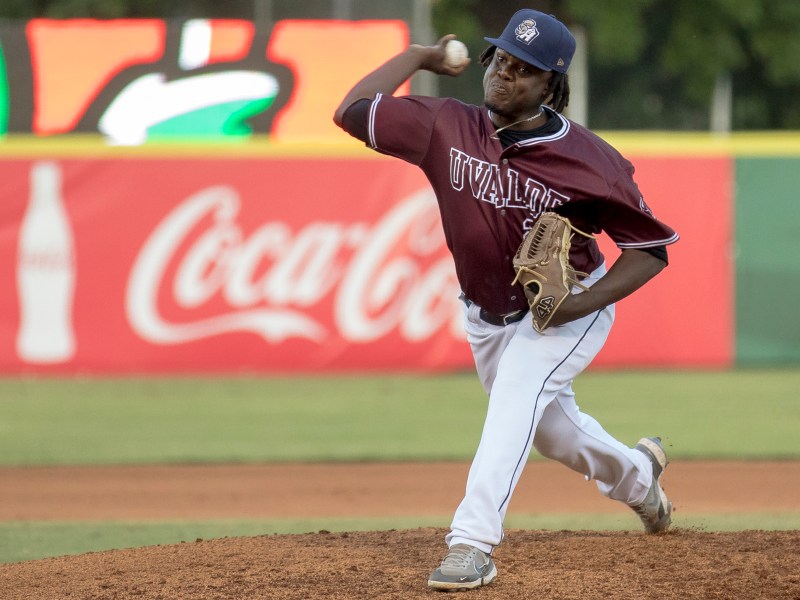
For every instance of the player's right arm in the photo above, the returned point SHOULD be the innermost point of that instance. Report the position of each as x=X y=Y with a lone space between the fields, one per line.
x=631 y=270
x=394 y=72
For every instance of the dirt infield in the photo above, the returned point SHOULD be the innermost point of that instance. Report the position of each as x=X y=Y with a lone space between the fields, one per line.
x=363 y=490
x=582 y=565
x=395 y=564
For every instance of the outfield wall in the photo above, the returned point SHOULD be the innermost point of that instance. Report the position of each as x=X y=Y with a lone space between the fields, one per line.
x=273 y=243
x=270 y=257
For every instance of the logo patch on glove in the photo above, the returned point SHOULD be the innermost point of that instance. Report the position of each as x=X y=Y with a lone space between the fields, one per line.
x=545 y=306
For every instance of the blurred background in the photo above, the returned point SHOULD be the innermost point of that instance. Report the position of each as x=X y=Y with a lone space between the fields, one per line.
x=200 y=133
x=645 y=64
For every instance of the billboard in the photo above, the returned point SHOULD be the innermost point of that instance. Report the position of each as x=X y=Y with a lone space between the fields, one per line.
x=139 y=80
x=217 y=265
x=151 y=263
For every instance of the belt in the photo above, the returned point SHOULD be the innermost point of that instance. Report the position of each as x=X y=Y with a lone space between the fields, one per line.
x=493 y=319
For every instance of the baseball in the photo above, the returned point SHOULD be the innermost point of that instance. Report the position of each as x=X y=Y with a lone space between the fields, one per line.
x=455 y=53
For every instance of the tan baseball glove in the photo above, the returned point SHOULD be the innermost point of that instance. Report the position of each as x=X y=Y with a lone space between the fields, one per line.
x=542 y=267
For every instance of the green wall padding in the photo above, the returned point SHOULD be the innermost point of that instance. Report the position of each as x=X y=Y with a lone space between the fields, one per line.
x=3 y=94
x=767 y=259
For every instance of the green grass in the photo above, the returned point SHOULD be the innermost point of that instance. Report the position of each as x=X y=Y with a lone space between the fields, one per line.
x=744 y=414
x=22 y=541
x=740 y=414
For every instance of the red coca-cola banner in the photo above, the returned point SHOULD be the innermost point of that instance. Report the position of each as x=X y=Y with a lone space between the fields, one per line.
x=217 y=265
x=183 y=265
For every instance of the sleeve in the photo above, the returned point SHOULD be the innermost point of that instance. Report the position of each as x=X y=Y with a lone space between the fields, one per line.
x=659 y=252
x=354 y=120
x=402 y=127
x=627 y=219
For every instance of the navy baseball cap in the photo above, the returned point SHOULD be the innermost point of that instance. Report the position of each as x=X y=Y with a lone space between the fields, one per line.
x=538 y=39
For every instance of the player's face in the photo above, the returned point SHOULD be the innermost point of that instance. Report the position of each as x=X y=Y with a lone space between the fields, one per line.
x=513 y=89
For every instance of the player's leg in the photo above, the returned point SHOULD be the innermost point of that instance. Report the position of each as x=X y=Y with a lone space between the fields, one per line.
x=470 y=565
x=532 y=370
x=487 y=342
x=578 y=441
x=630 y=475
x=521 y=371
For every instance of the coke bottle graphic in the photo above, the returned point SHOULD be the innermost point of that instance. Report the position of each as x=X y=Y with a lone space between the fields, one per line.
x=45 y=272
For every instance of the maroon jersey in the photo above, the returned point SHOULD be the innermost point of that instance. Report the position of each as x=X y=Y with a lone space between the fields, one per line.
x=489 y=196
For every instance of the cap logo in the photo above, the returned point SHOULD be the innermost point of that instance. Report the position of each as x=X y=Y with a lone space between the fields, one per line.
x=526 y=31
x=560 y=62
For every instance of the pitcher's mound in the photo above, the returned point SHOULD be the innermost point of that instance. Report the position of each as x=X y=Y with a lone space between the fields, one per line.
x=578 y=565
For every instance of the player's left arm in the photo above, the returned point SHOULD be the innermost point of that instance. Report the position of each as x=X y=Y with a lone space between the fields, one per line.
x=629 y=272
x=643 y=240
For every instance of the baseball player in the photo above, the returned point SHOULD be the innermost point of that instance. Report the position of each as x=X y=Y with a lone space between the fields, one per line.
x=495 y=169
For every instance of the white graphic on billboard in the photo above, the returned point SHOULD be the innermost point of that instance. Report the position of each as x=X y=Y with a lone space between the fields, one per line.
x=46 y=271
x=391 y=275
x=151 y=99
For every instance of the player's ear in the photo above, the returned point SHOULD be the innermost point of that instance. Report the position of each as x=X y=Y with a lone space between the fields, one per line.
x=486 y=56
x=548 y=88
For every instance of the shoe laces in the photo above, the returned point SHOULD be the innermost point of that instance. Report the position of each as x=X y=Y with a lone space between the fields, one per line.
x=459 y=556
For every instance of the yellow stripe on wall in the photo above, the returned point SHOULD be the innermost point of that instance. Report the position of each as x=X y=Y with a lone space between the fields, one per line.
x=629 y=143
x=705 y=144
x=94 y=146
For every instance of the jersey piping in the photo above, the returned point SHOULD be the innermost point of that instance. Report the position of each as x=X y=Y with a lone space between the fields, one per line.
x=371 y=128
x=664 y=242
x=562 y=132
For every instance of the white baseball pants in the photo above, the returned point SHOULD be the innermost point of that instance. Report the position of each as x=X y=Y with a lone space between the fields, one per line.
x=528 y=377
